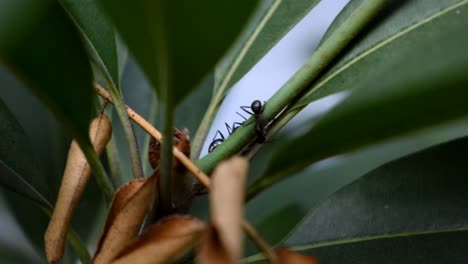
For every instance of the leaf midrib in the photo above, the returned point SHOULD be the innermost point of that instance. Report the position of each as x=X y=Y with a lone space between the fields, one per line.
x=378 y=46
x=260 y=257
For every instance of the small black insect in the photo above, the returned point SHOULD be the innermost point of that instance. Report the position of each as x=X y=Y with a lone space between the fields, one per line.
x=219 y=136
x=260 y=123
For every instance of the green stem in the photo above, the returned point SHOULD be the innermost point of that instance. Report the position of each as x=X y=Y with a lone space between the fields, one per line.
x=119 y=105
x=73 y=239
x=97 y=169
x=205 y=124
x=298 y=83
x=260 y=257
x=166 y=180
x=114 y=163
x=147 y=170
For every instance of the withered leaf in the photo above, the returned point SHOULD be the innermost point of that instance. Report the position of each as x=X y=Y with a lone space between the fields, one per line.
x=223 y=242
x=75 y=178
x=164 y=242
x=130 y=204
x=181 y=141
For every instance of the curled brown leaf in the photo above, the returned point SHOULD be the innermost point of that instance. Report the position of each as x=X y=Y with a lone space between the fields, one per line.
x=164 y=242
x=74 y=181
x=130 y=204
x=223 y=241
x=181 y=141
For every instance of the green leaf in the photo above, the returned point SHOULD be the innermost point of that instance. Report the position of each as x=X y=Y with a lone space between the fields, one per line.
x=193 y=35
x=442 y=247
x=423 y=83
x=413 y=210
x=16 y=158
x=398 y=20
x=271 y=23
x=50 y=58
x=99 y=35
x=327 y=177
x=277 y=225
x=40 y=150
x=105 y=50
x=14 y=246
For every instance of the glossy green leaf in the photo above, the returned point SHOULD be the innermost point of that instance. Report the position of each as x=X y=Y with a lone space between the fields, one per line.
x=109 y=56
x=193 y=36
x=16 y=158
x=441 y=247
x=273 y=20
x=50 y=58
x=276 y=226
x=99 y=35
x=40 y=150
x=421 y=83
x=413 y=210
x=327 y=177
x=392 y=27
x=14 y=246
x=17 y=17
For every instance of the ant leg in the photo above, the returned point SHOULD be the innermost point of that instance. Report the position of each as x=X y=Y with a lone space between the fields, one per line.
x=229 y=129
x=245 y=119
x=244 y=107
x=236 y=125
x=220 y=135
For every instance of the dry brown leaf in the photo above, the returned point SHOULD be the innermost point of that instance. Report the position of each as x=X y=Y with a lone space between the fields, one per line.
x=130 y=204
x=74 y=181
x=181 y=141
x=164 y=242
x=224 y=240
x=286 y=256
x=212 y=250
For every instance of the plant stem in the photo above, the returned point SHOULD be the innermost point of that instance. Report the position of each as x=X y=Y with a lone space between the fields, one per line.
x=147 y=170
x=98 y=170
x=114 y=163
x=267 y=250
x=137 y=169
x=203 y=128
x=168 y=181
x=299 y=82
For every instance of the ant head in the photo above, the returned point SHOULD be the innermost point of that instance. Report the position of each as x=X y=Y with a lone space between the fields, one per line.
x=256 y=107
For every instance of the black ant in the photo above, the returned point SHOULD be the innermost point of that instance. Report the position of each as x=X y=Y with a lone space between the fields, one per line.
x=217 y=141
x=260 y=123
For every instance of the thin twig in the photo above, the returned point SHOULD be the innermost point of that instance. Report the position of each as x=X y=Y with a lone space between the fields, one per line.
x=267 y=250
x=200 y=175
